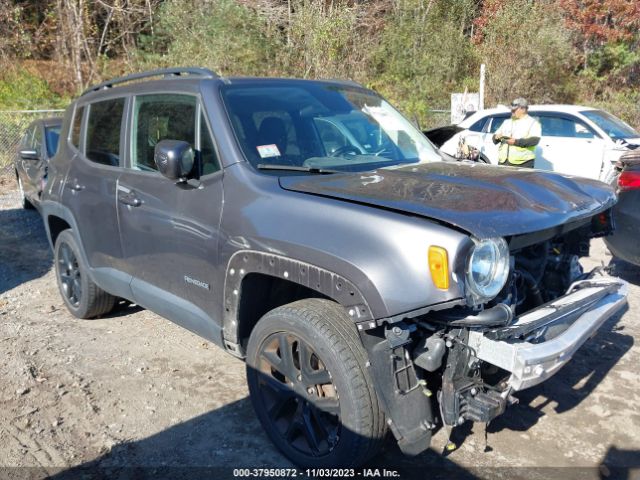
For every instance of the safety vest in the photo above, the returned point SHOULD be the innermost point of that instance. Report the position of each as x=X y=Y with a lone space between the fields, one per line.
x=518 y=128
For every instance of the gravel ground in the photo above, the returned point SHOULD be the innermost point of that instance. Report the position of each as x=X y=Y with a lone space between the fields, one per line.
x=134 y=396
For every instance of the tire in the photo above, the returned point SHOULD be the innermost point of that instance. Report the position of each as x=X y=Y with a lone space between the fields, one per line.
x=322 y=412
x=24 y=201
x=83 y=298
x=483 y=159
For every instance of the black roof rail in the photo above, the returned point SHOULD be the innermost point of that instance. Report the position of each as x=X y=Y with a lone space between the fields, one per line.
x=167 y=72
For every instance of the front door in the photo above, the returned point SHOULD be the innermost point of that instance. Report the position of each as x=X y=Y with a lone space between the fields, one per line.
x=169 y=229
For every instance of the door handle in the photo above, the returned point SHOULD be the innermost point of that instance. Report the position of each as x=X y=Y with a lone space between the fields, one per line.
x=130 y=199
x=75 y=186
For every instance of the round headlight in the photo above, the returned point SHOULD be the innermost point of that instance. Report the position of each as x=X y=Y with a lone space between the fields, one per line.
x=488 y=268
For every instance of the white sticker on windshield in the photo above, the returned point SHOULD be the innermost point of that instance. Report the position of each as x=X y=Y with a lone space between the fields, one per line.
x=267 y=151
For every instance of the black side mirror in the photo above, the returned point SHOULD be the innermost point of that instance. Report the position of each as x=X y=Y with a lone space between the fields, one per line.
x=29 y=154
x=174 y=159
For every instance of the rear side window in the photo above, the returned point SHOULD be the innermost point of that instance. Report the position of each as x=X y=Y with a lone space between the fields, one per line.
x=103 y=132
x=76 y=127
x=160 y=117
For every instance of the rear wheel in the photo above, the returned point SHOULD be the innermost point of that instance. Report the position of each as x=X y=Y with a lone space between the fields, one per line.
x=310 y=388
x=26 y=204
x=83 y=298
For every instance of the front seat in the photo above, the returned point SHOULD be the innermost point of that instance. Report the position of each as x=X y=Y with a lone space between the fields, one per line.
x=273 y=131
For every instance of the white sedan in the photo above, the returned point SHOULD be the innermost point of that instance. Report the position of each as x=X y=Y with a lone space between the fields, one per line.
x=575 y=140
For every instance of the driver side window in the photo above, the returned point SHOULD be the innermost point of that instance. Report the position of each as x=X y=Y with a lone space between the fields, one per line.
x=159 y=117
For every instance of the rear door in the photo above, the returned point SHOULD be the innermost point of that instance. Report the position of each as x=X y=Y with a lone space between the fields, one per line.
x=169 y=230
x=90 y=187
x=569 y=146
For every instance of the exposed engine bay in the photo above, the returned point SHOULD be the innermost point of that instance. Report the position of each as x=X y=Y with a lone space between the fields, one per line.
x=466 y=361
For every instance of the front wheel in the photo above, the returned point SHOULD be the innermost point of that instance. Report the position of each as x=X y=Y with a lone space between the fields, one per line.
x=81 y=295
x=310 y=388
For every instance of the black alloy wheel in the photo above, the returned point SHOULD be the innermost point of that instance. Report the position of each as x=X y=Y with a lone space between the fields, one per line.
x=310 y=387
x=299 y=394
x=69 y=275
x=81 y=295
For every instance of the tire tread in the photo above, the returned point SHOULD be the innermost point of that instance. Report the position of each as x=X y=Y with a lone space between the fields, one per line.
x=330 y=320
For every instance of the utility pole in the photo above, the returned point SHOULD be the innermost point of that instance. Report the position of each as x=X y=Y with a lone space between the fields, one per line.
x=482 y=72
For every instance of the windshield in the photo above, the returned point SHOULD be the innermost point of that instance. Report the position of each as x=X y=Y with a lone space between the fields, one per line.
x=52 y=135
x=613 y=126
x=323 y=126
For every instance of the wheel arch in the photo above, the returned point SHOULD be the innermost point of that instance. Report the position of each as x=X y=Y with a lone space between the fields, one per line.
x=257 y=282
x=55 y=226
x=58 y=218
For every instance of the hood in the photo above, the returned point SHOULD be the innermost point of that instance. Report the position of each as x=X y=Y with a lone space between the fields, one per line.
x=484 y=200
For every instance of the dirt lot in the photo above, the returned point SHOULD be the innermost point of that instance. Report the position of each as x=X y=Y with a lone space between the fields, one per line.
x=134 y=396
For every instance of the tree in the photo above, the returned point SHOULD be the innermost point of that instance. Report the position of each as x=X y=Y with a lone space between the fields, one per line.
x=597 y=23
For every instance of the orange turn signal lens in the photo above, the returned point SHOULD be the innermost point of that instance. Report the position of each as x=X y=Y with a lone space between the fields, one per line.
x=439 y=267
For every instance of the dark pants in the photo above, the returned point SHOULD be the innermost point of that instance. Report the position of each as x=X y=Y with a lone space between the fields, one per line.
x=527 y=164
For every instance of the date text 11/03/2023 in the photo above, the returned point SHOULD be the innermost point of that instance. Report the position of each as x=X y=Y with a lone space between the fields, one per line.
x=314 y=473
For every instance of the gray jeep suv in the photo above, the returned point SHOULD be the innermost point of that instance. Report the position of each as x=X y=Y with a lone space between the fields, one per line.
x=308 y=228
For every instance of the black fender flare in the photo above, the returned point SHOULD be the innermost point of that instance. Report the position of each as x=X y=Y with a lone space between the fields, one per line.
x=54 y=209
x=330 y=284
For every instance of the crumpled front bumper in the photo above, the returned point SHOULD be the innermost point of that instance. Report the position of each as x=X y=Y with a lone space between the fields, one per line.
x=552 y=333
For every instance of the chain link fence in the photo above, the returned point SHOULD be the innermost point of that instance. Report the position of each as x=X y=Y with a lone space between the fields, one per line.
x=13 y=124
x=436 y=118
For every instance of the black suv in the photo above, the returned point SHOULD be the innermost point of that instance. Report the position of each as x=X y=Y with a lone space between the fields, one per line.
x=310 y=229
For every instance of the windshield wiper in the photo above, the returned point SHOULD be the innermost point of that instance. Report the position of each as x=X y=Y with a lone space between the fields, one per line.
x=294 y=168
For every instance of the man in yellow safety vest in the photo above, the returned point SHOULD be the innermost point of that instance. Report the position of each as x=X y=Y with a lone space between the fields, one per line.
x=518 y=137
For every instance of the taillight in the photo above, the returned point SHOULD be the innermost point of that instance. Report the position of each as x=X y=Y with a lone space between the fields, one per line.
x=629 y=180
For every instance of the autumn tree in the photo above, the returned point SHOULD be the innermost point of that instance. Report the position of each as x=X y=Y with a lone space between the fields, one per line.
x=597 y=23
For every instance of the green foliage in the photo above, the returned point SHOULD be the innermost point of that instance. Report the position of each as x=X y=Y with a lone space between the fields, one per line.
x=415 y=52
x=612 y=60
x=425 y=55
x=528 y=53
x=323 y=41
x=624 y=104
x=222 y=35
x=21 y=90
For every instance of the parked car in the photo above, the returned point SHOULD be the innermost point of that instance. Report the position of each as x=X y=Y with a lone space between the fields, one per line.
x=575 y=140
x=38 y=145
x=309 y=229
x=623 y=243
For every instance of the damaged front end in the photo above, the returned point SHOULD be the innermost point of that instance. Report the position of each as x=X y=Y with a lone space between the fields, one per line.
x=463 y=362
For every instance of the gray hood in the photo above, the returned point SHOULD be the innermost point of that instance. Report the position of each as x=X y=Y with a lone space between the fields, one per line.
x=484 y=200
